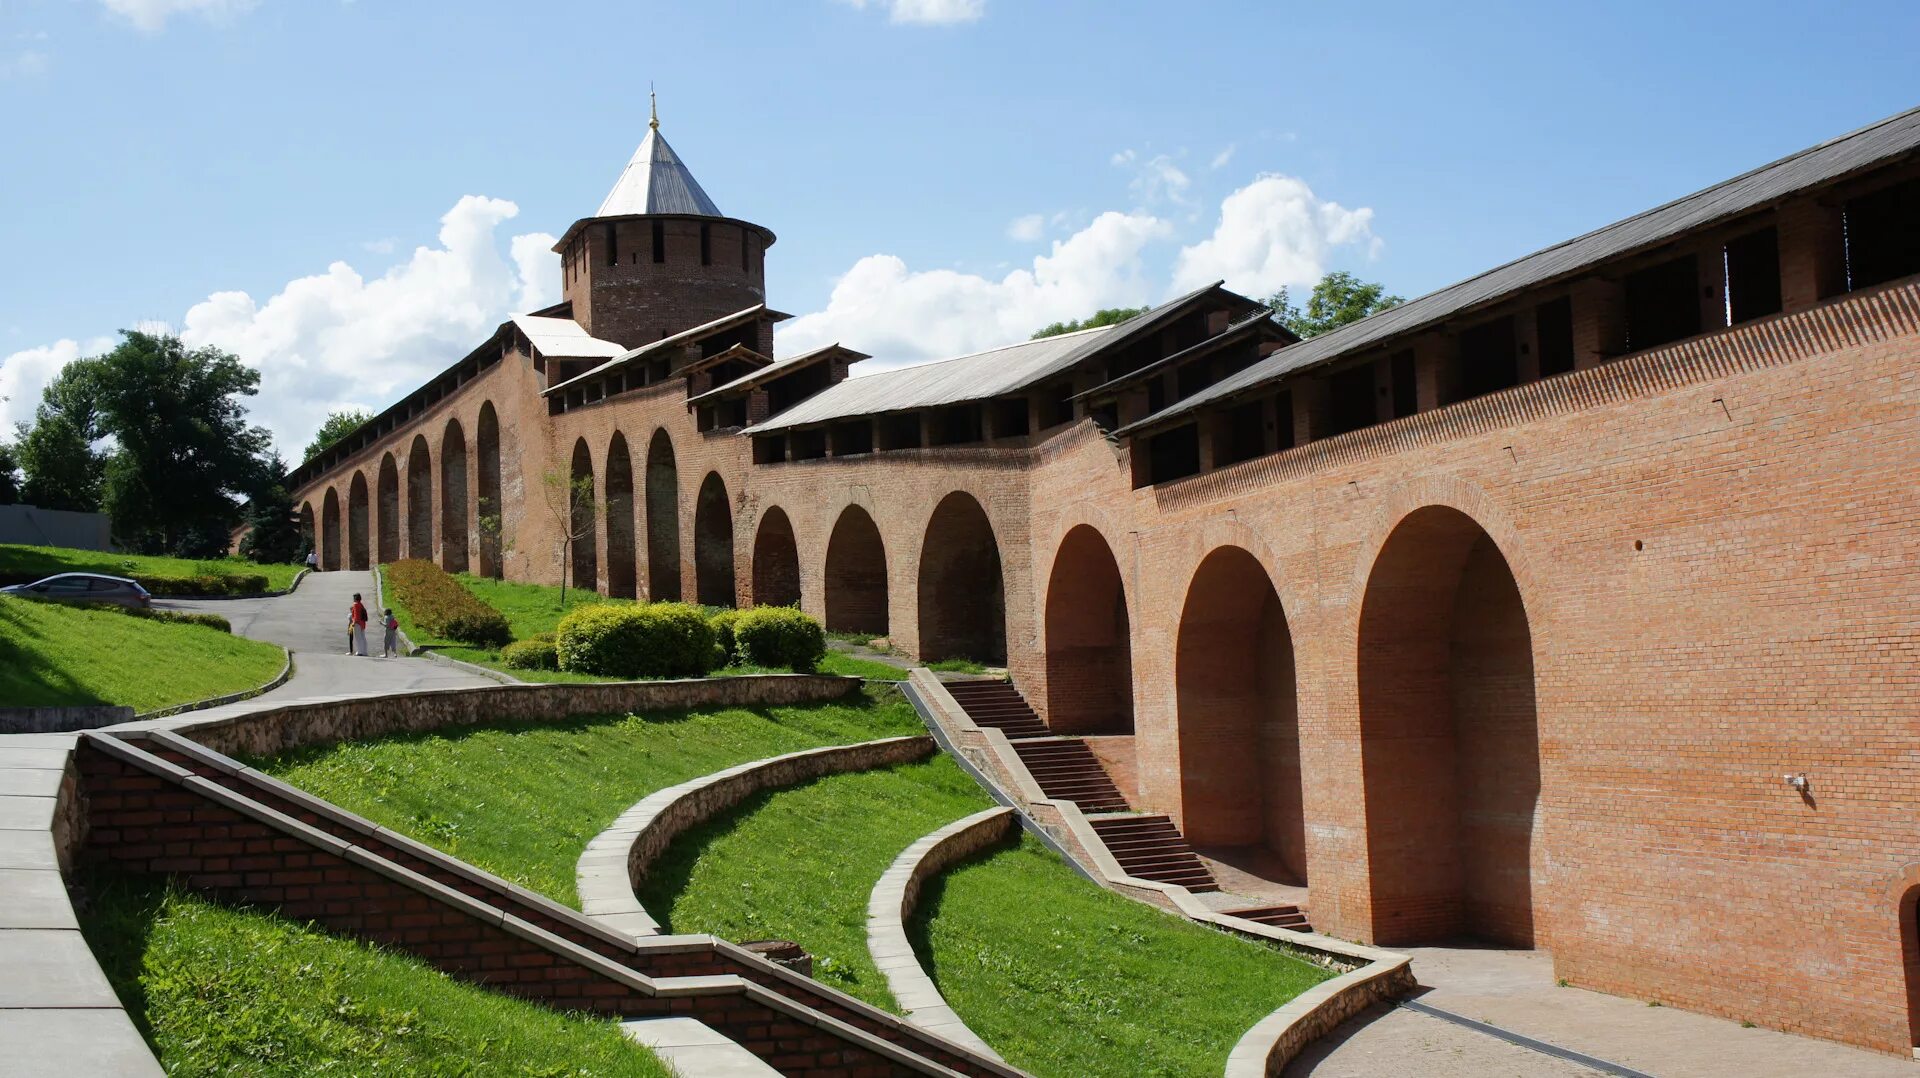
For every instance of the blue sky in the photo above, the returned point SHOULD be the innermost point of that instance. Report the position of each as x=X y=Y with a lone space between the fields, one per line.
x=290 y=179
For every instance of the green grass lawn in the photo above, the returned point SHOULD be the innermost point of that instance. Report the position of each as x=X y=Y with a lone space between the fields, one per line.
x=219 y=991
x=42 y=561
x=532 y=609
x=523 y=801
x=1066 y=979
x=799 y=864
x=57 y=655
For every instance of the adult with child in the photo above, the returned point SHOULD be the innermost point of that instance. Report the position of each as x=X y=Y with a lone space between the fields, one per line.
x=357 y=617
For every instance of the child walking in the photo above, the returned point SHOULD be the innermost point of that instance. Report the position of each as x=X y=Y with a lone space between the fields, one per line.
x=391 y=645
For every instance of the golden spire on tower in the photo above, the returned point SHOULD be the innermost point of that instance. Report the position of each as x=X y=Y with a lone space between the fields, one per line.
x=653 y=101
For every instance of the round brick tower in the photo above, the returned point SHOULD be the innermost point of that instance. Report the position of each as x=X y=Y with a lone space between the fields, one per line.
x=658 y=256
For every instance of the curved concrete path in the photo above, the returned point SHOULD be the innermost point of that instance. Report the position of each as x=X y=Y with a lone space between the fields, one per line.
x=311 y=622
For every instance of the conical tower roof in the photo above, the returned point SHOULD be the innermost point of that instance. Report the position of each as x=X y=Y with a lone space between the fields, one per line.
x=657 y=181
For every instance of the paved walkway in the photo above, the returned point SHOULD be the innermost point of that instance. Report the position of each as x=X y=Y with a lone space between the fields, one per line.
x=1515 y=991
x=312 y=623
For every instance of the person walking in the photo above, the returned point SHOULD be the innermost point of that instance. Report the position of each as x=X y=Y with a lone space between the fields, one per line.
x=313 y=559
x=358 y=616
x=391 y=645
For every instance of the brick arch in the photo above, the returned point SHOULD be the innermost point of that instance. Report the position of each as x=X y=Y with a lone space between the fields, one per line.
x=713 y=543
x=586 y=558
x=1088 y=638
x=1449 y=735
x=330 y=530
x=454 y=535
x=387 y=510
x=419 y=499
x=856 y=574
x=1485 y=511
x=357 y=512
x=776 y=560
x=1904 y=897
x=622 y=581
x=962 y=590
x=663 y=519
x=1238 y=718
x=489 y=511
x=308 y=538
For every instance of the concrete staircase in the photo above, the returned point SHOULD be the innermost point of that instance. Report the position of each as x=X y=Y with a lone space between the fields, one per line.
x=1152 y=848
x=1147 y=846
x=1289 y=917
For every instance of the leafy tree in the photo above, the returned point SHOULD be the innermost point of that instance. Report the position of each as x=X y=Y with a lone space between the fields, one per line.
x=1338 y=299
x=337 y=426
x=571 y=504
x=9 y=475
x=63 y=469
x=185 y=453
x=1105 y=317
x=274 y=530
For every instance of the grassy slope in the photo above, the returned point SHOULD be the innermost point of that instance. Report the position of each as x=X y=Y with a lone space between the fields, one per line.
x=222 y=991
x=41 y=561
x=531 y=609
x=799 y=864
x=52 y=655
x=523 y=801
x=1064 y=978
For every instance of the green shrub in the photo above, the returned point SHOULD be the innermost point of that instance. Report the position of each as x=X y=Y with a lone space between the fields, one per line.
x=653 y=640
x=203 y=586
x=779 y=636
x=723 y=636
x=211 y=621
x=440 y=606
x=535 y=654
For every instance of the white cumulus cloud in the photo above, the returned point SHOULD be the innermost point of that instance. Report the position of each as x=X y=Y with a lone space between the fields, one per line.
x=152 y=15
x=340 y=339
x=1272 y=233
x=926 y=12
x=902 y=315
x=1028 y=228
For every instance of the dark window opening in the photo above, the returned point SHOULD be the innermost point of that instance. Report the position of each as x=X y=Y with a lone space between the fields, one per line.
x=1283 y=420
x=1058 y=406
x=1489 y=359
x=900 y=431
x=657 y=370
x=1105 y=416
x=784 y=393
x=613 y=245
x=1553 y=324
x=1350 y=400
x=659 y=244
x=809 y=444
x=1406 y=385
x=1883 y=235
x=1663 y=303
x=1241 y=434
x=769 y=449
x=1010 y=418
x=1752 y=264
x=1173 y=454
x=957 y=425
x=1156 y=395
x=704 y=418
x=706 y=245
x=852 y=438
x=731 y=413
x=1193 y=378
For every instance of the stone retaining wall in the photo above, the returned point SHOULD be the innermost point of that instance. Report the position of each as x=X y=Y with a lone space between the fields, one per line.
x=261 y=732
x=619 y=857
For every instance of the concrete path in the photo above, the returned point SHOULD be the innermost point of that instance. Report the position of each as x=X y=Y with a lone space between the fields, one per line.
x=1515 y=991
x=312 y=623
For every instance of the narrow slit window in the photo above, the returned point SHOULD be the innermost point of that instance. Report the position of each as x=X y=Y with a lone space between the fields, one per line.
x=1752 y=264
x=706 y=245
x=613 y=245
x=659 y=242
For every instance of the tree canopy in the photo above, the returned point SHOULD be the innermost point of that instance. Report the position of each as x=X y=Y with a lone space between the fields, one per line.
x=337 y=426
x=63 y=469
x=1104 y=317
x=1338 y=298
x=9 y=475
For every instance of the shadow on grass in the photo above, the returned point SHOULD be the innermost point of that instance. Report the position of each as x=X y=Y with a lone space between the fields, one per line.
x=117 y=915
x=32 y=676
x=933 y=892
x=670 y=874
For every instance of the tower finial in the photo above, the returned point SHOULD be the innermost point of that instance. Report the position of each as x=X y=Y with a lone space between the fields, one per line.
x=653 y=101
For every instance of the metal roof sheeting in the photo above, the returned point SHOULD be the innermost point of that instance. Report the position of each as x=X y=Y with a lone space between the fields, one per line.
x=685 y=336
x=1853 y=152
x=942 y=382
x=780 y=369
x=656 y=181
x=562 y=338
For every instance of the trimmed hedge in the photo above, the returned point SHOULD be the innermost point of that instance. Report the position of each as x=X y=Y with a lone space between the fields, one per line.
x=210 y=621
x=650 y=640
x=723 y=635
x=178 y=587
x=535 y=654
x=779 y=636
x=440 y=606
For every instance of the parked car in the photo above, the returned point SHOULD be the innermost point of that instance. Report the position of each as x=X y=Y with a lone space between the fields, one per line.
x=84 y=588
